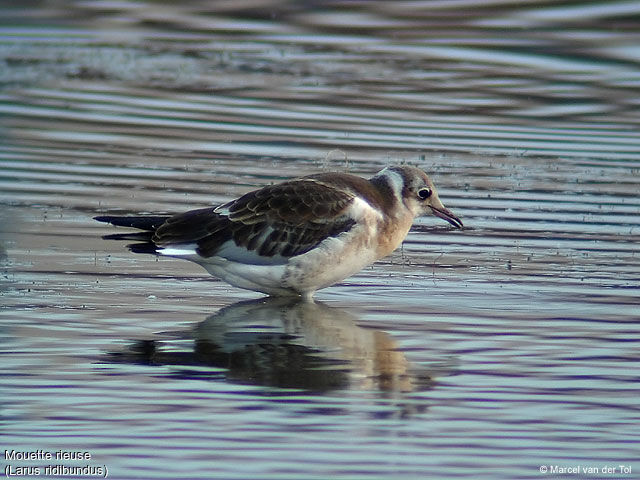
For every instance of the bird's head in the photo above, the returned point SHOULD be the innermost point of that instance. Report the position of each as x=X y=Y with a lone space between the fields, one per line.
x=417 y=192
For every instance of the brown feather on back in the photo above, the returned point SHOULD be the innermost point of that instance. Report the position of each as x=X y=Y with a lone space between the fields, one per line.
x=287 y=219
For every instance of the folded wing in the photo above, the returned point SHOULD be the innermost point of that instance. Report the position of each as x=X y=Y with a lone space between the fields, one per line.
x=265 y=226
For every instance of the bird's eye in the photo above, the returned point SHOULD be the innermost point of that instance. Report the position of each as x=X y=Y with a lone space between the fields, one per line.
x=424 y=193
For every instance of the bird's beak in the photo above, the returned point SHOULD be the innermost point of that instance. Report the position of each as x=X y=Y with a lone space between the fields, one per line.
x=446 y=214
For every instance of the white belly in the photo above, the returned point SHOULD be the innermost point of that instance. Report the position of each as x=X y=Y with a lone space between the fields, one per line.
x=333 y=260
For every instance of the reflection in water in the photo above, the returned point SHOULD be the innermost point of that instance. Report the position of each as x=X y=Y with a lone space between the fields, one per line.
x=287 y=343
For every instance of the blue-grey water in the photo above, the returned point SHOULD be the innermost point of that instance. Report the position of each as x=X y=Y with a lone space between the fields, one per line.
x=506 y=350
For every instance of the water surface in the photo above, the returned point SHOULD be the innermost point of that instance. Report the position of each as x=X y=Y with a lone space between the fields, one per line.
x=487 y=352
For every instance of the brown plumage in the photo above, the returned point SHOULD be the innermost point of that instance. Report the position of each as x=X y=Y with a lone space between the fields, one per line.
x=287 y=219
x=297 y=236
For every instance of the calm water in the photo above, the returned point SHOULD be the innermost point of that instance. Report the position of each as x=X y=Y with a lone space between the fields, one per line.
x=497 y=351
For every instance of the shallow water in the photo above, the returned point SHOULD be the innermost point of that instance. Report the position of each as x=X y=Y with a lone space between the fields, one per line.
x=487 y=352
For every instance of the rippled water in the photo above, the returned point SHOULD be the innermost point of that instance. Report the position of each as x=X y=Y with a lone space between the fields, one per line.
x=488 y=352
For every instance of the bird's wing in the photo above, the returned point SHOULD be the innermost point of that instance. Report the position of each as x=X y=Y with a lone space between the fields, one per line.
x=266 y=225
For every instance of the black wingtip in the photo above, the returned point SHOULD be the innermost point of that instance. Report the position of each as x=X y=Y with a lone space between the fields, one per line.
x=149 y=223
x=132 y=236
x=146 y=247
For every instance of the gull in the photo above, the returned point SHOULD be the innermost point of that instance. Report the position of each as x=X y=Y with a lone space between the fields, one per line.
x=298 y=236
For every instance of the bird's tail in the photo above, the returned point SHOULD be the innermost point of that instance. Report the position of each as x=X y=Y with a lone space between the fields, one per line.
x=147 y=225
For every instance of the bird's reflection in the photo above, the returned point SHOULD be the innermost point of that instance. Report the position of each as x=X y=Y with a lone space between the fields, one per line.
x=286 y=343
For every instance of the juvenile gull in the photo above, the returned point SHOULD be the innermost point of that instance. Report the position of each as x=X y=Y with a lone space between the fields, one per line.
x=298 y=236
